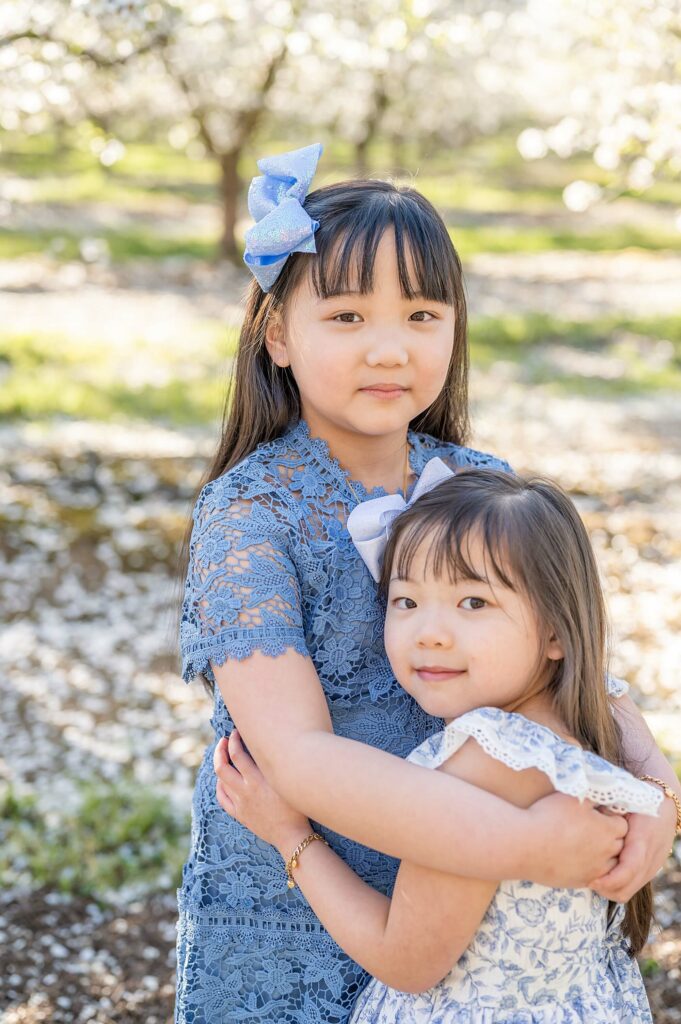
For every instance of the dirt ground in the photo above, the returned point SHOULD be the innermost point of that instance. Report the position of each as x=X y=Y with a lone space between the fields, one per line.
x=69 y=962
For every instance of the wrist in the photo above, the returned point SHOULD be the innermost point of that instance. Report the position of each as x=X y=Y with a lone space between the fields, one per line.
x=292 y=836
x=670 y=808
x=537 y=845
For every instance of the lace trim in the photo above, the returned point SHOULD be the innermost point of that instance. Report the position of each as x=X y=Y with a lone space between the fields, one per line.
x=318 y=448
x=252 y=922
x=239 y=644
x=520 y=743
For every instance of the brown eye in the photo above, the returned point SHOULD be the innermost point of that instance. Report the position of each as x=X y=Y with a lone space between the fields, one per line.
x=473 y=604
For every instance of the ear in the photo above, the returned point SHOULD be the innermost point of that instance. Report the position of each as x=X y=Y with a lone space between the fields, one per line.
x=275 y=340
x=554 y=651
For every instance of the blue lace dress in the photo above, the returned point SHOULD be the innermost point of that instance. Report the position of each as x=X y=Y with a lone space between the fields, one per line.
x=273 y=567
x=540 y=955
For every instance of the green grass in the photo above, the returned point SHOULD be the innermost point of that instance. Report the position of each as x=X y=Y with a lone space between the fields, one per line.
x=466 y=192
x=521 y=330
x=142 y=242
x=52 y=375
x=94 y=185
x=528 y=341
x=471 y=241
x=134 y=243
x=486 y=176
x=119 y=835
x=47 y=375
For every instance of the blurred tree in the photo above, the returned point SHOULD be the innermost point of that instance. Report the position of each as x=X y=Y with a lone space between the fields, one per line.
x=204 y=68
x=210 y=72
x=213 y=74
x=401 y=71
x=604 y=78
x=225 y=58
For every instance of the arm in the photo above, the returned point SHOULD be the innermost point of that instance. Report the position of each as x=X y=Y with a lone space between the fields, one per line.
x=242 y=614
x=649 y=840
x=413 y=940
x=343 y=784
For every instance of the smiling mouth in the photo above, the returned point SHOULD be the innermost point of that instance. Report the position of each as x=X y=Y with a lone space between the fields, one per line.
x=437 y=673
x=384 y=390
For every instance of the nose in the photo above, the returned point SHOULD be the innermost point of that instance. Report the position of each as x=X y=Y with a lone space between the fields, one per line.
x=435 y=634
x=387 y=349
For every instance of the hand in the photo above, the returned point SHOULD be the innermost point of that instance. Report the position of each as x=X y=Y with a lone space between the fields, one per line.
x=646 y=849
x=245 y=794
x=573 y=843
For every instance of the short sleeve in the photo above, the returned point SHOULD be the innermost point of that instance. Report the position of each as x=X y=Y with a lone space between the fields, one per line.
x=520 y=743
x=242 y=591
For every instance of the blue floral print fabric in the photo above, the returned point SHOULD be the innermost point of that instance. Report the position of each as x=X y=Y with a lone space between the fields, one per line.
x=541 y=955
x=273 y=568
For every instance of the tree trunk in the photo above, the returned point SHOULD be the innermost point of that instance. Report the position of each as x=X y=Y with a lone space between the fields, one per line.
x=398 y=157
x=361 y=156
x=230 y=187
x=379 y=106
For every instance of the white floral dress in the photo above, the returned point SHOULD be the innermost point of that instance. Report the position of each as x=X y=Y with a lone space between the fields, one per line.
x=540 y=955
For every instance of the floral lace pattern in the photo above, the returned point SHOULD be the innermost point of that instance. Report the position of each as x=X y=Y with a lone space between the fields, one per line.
x=272 y=567
x=541 y=955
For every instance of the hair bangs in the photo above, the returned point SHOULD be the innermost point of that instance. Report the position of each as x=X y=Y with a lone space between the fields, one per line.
x=448 y=549
x=446 y=521
x=349 y=234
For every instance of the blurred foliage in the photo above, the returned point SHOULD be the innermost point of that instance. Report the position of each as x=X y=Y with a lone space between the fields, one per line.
x=142 y=242
x=51 y=375
x=491 y=201
x=119 y=836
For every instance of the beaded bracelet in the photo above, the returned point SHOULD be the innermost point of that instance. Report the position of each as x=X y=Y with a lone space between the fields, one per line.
x=292 y=862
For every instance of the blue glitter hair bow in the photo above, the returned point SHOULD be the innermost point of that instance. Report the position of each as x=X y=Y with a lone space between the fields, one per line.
x=275 y=202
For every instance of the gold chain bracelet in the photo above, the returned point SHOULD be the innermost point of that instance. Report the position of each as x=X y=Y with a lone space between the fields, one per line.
x=668 y=791
x=292 y=862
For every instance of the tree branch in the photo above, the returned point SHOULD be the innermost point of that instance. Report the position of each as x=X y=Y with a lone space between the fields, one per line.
x=85 y=53
x=197 y=109
x=247 y=120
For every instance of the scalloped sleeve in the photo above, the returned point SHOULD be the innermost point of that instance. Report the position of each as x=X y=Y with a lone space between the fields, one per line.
x=520 y=743
x=242 y=591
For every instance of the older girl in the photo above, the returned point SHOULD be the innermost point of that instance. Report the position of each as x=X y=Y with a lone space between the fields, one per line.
x=350 y=375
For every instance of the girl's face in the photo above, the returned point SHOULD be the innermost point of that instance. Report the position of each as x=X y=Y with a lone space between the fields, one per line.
x=455 y=646
x=364 y=364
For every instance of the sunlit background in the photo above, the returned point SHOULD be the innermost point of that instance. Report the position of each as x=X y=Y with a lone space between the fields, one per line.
x=549 y=137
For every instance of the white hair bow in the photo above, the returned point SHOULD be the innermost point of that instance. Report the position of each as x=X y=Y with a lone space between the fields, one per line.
x=370 y=522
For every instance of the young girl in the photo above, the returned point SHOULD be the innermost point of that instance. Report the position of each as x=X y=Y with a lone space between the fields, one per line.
x=495 y=621
x=350 y=375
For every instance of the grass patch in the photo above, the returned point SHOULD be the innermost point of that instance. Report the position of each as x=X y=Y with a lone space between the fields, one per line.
x=471 y=241
x=126 y=193
x=42 y=376
x=134 y=243
x=143 y=242
x=642 y=355
x=120 y=836
x=485 y=176
x=515 y=331
x=466 y=192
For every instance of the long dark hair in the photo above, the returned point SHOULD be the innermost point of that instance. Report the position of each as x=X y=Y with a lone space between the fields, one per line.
x=536 y=543
x=262 y=399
